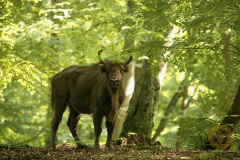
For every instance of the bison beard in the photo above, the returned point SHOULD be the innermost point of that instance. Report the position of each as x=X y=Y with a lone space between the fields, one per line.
x=96 y=89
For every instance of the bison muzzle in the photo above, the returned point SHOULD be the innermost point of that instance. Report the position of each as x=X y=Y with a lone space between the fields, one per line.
x=96 y=89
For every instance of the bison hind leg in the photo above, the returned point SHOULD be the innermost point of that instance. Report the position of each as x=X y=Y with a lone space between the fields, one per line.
x=58 y=110
x=72 y=123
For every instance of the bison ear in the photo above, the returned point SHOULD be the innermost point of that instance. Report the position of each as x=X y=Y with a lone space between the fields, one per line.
x=102 y=67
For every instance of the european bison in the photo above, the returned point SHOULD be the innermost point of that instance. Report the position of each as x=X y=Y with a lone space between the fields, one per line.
x=96 y=89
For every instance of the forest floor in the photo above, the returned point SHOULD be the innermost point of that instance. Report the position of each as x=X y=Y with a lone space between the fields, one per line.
x=125 y=152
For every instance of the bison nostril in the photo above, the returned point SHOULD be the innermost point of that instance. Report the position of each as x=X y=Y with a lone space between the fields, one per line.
x=114 y=81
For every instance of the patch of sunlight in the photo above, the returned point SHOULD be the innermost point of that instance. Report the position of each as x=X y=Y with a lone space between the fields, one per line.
x=122 y=3
x=32 y=92
x=2 y=120
x=88 y=25
x=171 y=129
x=103 y=137
x=130 y=87
x=106 y=41
x=180 y=76
x=191 y=90
x=206 y=89
x=126 y=27
x=44 y=83
x=143 y=58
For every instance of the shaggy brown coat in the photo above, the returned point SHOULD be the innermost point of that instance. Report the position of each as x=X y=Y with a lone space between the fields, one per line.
x=96 y=89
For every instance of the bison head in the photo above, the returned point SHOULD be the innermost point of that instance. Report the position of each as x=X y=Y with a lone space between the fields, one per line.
x=114 y=70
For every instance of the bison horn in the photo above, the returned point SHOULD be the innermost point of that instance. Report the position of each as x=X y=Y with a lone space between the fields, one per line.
x=128 y=61
x=99 y=57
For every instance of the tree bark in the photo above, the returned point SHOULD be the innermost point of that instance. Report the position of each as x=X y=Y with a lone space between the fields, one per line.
x=142 y=108
x=233 y=115
x=140 y=114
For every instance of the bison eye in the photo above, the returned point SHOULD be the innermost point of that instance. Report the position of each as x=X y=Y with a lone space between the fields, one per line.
x=103 y=68
x=106 y=69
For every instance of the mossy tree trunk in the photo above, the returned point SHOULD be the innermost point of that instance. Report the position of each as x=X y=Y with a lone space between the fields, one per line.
x=142 y=107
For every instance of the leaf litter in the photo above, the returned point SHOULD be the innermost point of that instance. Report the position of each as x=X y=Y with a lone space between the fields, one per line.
x=119 y=153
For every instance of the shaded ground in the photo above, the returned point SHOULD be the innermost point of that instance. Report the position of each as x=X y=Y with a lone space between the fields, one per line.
x=137 y=152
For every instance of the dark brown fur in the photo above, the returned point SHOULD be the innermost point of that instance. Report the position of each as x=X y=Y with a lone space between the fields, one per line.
x=95 y=89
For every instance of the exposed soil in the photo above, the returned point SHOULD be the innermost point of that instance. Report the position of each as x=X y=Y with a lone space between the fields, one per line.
x=124 y=152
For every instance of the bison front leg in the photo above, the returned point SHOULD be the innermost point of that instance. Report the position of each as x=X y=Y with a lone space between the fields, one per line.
x=110 y=127
x=111 y=118
x=97 y=121
x=72 y=122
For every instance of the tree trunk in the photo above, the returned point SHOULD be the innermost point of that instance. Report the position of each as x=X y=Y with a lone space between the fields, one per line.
x=142 y=108
x=233 y=115
x=140 y=114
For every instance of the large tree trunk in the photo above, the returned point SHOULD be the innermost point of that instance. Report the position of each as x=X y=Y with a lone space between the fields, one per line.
x=142 y=108
x=140 y=114
x=233 y=115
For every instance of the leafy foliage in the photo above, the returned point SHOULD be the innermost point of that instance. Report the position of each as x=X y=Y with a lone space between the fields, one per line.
x=41 y=37
x=193 y=132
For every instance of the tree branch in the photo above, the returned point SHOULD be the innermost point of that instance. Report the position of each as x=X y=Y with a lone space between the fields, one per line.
x=238 y=53
x=233 y=46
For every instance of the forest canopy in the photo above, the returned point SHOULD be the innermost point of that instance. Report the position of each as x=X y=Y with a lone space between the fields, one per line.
x=41 y=37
